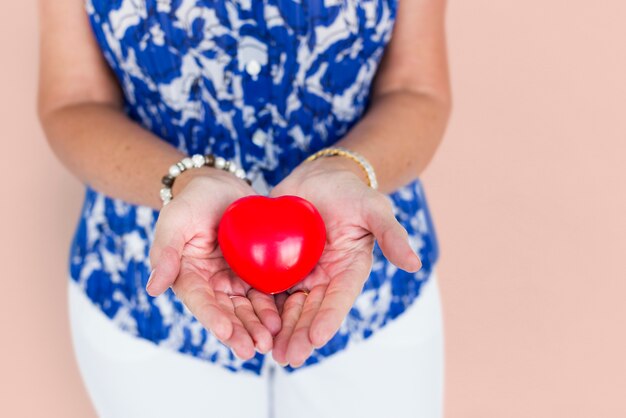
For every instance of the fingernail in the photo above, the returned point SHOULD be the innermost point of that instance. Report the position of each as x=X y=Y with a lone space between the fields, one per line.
x=417 y=263
x=150 y=279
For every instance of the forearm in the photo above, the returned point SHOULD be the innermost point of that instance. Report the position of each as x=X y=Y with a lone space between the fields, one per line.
x=399 y=135
x=111 y=153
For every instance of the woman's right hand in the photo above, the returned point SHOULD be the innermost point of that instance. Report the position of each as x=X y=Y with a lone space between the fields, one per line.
x=185 y=255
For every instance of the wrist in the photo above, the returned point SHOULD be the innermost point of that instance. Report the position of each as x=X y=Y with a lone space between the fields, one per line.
x=196 y=175
x=338 y=163
x=207 y=166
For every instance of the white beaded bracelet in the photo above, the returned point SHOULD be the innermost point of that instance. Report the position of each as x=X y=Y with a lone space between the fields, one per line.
x=197 y=161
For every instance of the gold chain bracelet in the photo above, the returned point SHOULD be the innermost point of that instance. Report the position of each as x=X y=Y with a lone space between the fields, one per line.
x=358 y=158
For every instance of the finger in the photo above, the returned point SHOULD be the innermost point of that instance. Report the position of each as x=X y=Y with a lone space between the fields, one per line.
x=280 y=299
x=338 y=300
x=195 y=294
x=266 y=310
x=165 y=271
x=300 y=345
x=391 y=235
x=291 y=312
x=167 y=247
x=240 y=341
x=261 y=336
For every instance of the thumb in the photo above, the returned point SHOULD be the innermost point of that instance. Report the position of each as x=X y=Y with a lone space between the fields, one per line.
x=165 y=271
x=166 y=251
x=390 y=234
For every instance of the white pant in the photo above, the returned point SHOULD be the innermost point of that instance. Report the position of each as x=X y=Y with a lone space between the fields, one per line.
x=397 y=372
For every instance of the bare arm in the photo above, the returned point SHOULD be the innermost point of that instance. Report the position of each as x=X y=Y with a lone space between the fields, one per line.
x=399 y=134
x=80 y=110
x=410 y=102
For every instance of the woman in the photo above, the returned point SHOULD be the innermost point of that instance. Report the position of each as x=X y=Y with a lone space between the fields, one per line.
x=130 y=89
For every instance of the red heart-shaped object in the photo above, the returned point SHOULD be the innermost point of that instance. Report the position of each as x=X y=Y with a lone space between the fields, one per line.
x=271 y=243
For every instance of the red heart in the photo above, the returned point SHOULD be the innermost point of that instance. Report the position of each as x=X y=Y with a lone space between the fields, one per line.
x=271 y=243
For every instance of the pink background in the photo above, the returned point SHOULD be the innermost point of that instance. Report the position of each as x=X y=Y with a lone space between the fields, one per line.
x=527 y=190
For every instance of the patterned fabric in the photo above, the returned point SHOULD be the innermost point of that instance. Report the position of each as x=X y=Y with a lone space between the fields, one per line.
x=264 y=82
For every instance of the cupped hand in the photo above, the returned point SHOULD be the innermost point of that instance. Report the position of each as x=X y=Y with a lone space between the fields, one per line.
x=185 y=256
x=355 y=215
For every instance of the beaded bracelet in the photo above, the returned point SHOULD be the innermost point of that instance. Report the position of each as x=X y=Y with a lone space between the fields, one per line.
x=197 y=161
x=365 y=165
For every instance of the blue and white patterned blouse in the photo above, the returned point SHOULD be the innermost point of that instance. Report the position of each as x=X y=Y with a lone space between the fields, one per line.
x=264 y=82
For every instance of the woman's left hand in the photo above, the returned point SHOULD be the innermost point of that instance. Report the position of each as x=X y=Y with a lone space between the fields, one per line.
x=355 y=215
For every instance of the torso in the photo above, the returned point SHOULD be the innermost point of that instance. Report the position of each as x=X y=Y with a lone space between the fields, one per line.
x=266 y=83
